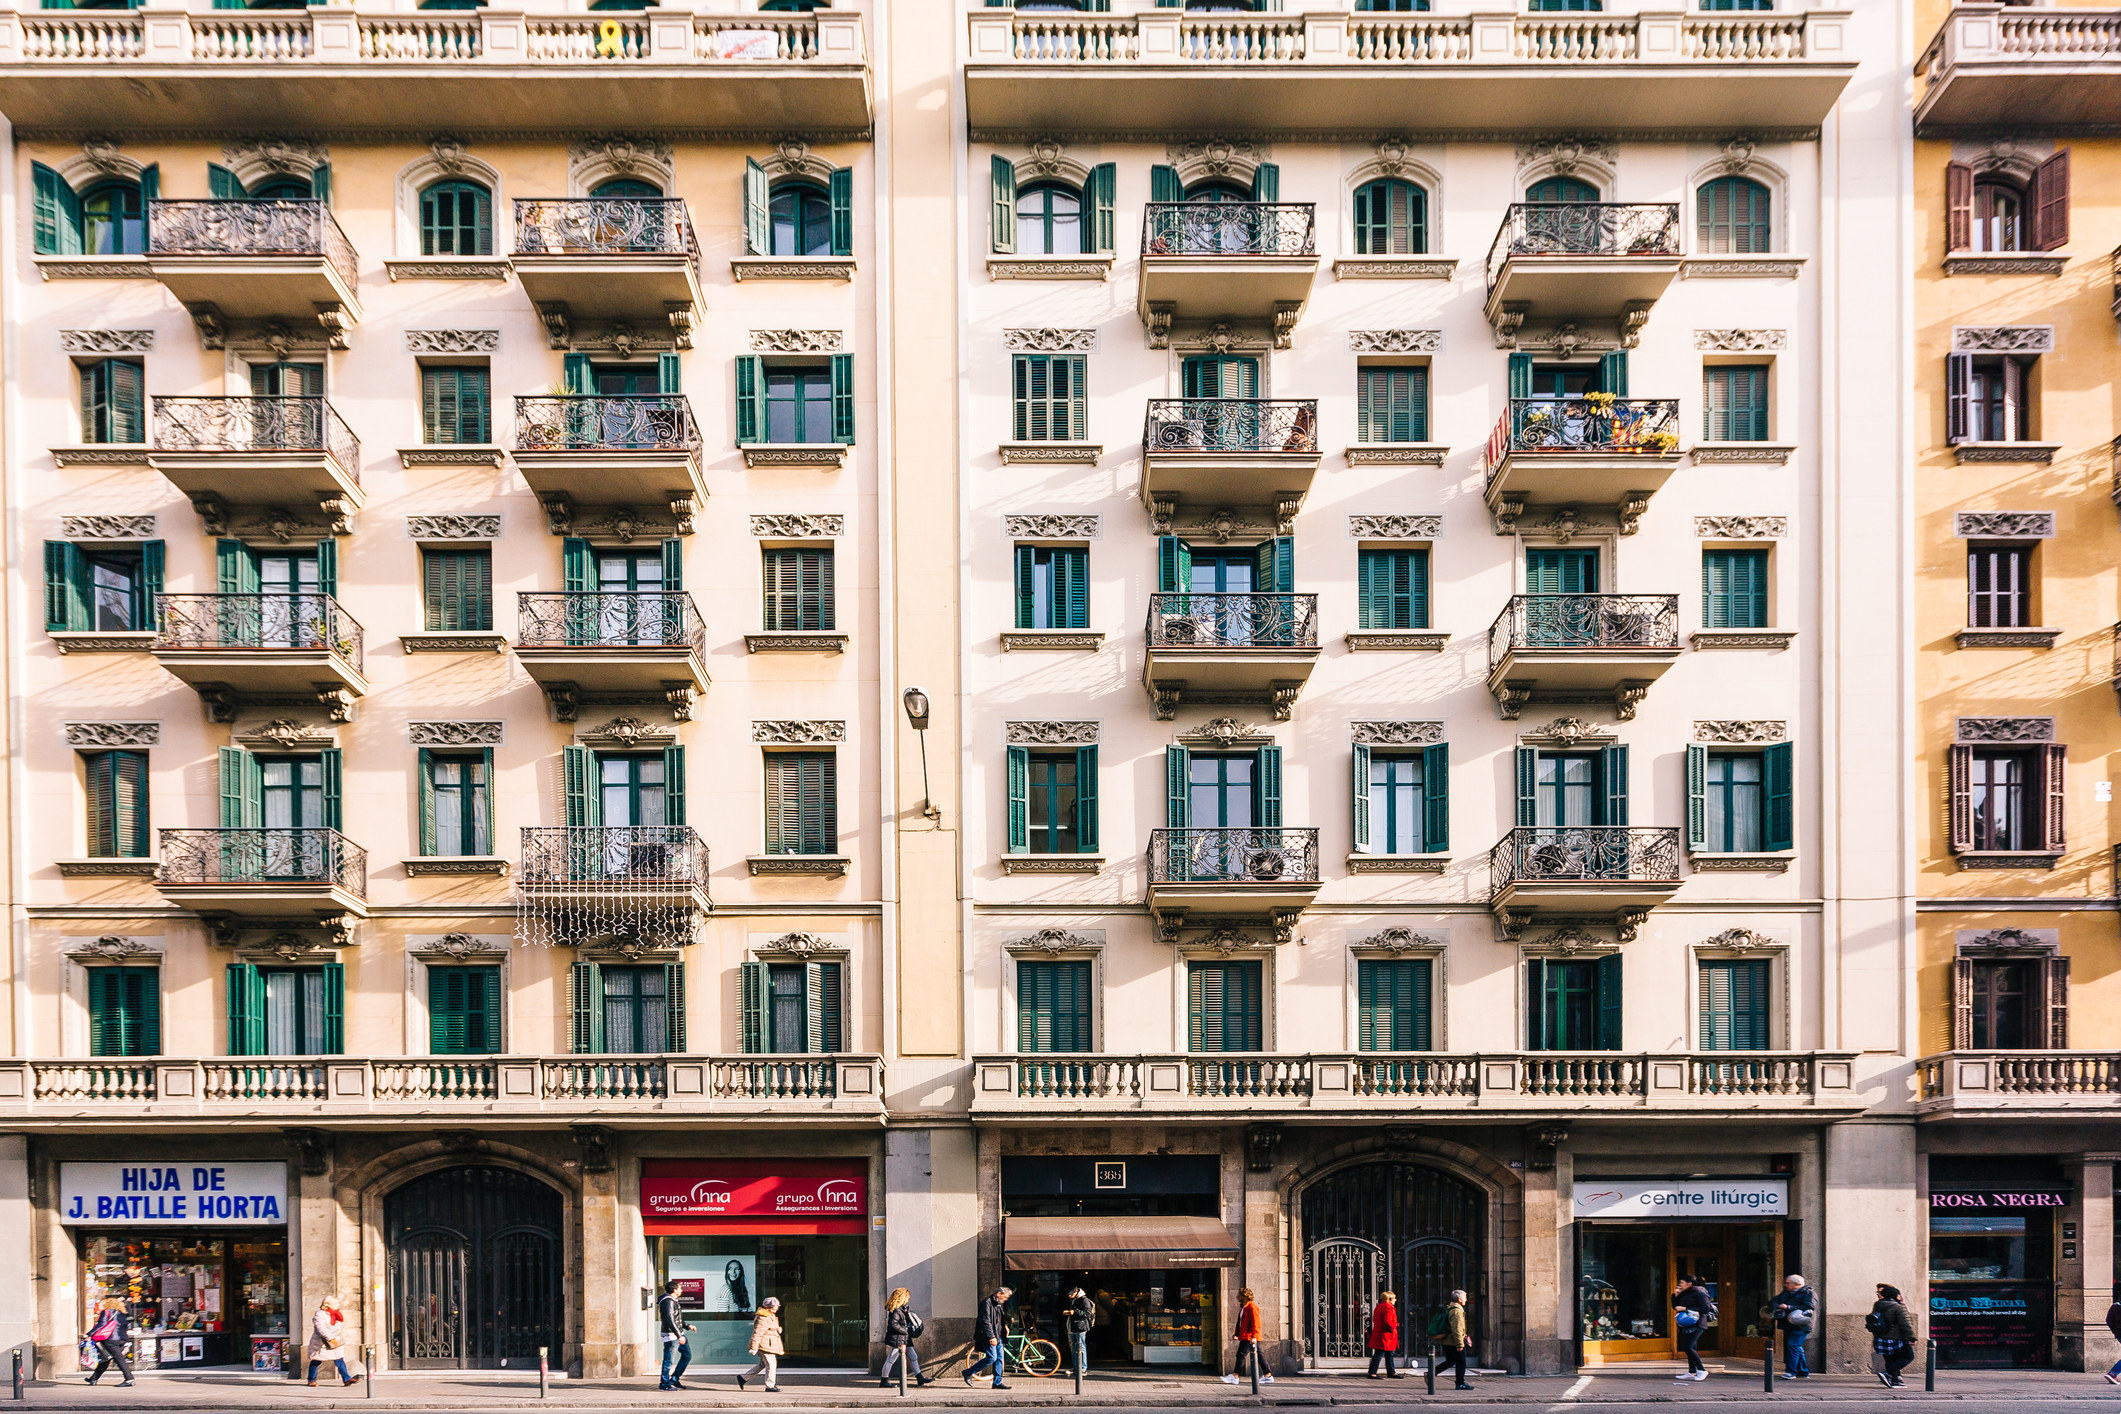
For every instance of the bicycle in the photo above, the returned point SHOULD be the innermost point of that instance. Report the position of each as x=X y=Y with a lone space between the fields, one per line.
x=1025 y=1354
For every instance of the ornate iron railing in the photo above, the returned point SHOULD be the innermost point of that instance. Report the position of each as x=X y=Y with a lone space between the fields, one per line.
x=592 y=422
x=591 y=619
x=264 y=856
x=273 y=424
x=1230 y=228
x=258 y=621
x=247 y=226
x=1231 y=425
x=601 y=225
x=1266 y=621
x=1588 y=621
x=1540 y=854
x=1533 y=228
x=1596 y=422
x=648 y=856
x=1273 y=854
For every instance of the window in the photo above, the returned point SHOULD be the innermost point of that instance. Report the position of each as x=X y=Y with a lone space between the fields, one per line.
x=1051 y=399
x=2001 y=817
x=1734 y=588
x=455 y=809
x=1538 y=7
x=795 y=402
x=636 y=1010
x=2010 y=1001
x=113 y=401
x=459 y=589
x=456 y=218
x=1734 y=399
x=1740 y=802
x=1731 y=216
x=802 y=802
x=798 y=405
x=113 y=220
x=1049 y=220
x=1052 y=218
x=1391 y=215
x=1394 y=588
x=1575 y=1003
x=1052 y=586
x=798 y=589
x=1734 y=1004
x=2008 y=798
x=286 y=1011
x=1998 y=1000
x=1991 y=211
x=124 y=1011
x=107 y=219
x=1402 y=800
x=1999 y=582
x=626 y=188
x=1737 y=4
x=117 y=804
x=456 y=404
x=101 y=589
x=1052 y=1007
x=1392 y=404
x=799 y=221
x=793 y=1008
x=1052 y=801
x=1988 y=398
x=1392 y=1003
x=463 y=1010
x=1562 y=189
x=1224 y=1006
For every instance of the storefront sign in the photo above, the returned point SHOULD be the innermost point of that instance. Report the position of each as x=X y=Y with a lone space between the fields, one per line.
x=1134 y=1175
x=1682 y=1198
x=1995 y=1325
x=681 y=1188
x=1989 y=1199
x=221 y=1194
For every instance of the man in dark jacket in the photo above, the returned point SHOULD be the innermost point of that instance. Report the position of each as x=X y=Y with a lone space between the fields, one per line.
x=108 y=1329
x=677 y=1351
x=992 y=1330
x=2113 y=1323
x=1692 y=1300
x=1795 y=1310
x=1080 y=1316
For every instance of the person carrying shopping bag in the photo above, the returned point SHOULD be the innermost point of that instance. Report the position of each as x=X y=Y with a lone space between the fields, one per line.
x=1795 y=1309
x=107 y=1336
x=902 y=1326
x=324 y=1342
x=766 y=1343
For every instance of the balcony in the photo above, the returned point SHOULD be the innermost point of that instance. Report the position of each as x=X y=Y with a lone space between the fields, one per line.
x=1230 y=649
x=470 y=73
x=256 y=450
x=604 y=448
x=622 y=648
x=1572 y=262
x=281 y=261
x=264 y=873
x=583 y=882
x=262 y=649
x=1581 y=648
x=2051 y=71
x=1268 y=871
x=789 y=1090
x=1229 y=451
x=2020 y=1084
x=1595 y=450
x=627 y=260
x=1099 y=1088
x=1214 y=261
x=1171 y=71
x=1617 y=870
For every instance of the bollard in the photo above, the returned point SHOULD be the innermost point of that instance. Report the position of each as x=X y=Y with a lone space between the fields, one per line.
x=368 y=1372
x=541 y=1371
x=905 y=1358
x=1929 y=1366
x=1428 y=1374
x=1767 y=1363
x=18 y=1375
x=1255 y=1369
x=1079 y=1351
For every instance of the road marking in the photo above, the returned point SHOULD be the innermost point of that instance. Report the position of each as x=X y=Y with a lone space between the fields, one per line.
x=1575 y=1389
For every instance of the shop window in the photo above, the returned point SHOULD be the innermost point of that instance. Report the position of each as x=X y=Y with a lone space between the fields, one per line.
x=798 y=219
x=1993 y=211
x=797 y=589
x=1739 y=802
x=1051 y=218
x=1050 y=398
x=1393 y=1002
x=117 y=804
x=1053 y=1006
x=1734 y=1004
x=456 y=809
x=1734 y=398
x=794 y=1008
x=1988 y=398
x=802 y=802
x=456 y=404
x=125 y=1011
x=1626 y=1283
x=795 y=401
x=1402 y=800
x=195 y=1300
x=1052 y=800
x=101 y=588
x=463 y=1010
x=1731 y=214
x=458 y=589
x=1225 y=1006
x=1052 y=586
x=1574 y=1003
x=286 y=1011
x=1734 y=588
x=2007 y=799
x=1392 y=403
x=113 y=401
x=1392 y=214
x=1999 y=586
x=2010 y=1002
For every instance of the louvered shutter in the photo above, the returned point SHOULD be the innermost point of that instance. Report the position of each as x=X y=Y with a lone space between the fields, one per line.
x=1361 y=782
x=750 y=399
x=447 y=1010
x=839 y=188
x=585 y=985
x=1958 y=397
x=2054 y=785
x=1071 y=397
x=2051 y=1029
x=674 y=786
x=1373 y=582
x=1958 y=206
x=1204 y=1006
x=2048 y=197
x=1520 y=375
x=813 y=1008
x=1959 y=798
x=438 y=404
x=1178 y=798
x=1002 y=203
x=102 y=804
x=1535 y=999
x=1071 y=587
x=1034 y=1007
x=235 y=808
x=1715 y=1020
x=1420 y=977
x=246 y=1014
x=674 y=1007
x=1962 y=1003
x=673 y=565
x=1613 y=373
x=106 y=1017
x=1368 y=985
x=327 y=556
x=579 y=768
x=66 y=598
x=1101 y=194
x=1266 y=183
x=426 y=786
x=1609 y=1029
x=129 y=804
x=320 y=181
x=1527 y=786
x=1697 y=799
x=753 y=989
x=1027 y=587
x=669 y=374
x=48 y=222
x=1778 y=772
x=843 y=399
x=148 y=590
x=1164 y=185
x=145 y=997
x=1613 y=774
x=783 y=831
x=1436 y=798
x=331 y=762
x=757 y=202
x=1267 y=769
x=1174 y=565
x=1086 y=840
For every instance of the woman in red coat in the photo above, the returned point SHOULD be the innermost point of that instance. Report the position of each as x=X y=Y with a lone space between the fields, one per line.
x=1384 y=1335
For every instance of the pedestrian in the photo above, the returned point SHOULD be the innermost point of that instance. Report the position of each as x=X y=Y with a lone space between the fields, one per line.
x=1892 y=1335
x=991 y=1329
x=766 y=1343
x=677 y=1351
x=1079 y=1317
x=1795 y=1310
x=1384 y=1335
x=1692 y=1314
x=1247 y=1334
x=324 y=1343
x=1454 y=1340
x=2113 y=1323
x=902 y=1326
x=107 y=1335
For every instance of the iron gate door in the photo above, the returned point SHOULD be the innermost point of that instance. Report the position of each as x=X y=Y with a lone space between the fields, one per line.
x=475 y=1270
x=1430 y=1269
x=1343 y=1279
x=1427 y=1227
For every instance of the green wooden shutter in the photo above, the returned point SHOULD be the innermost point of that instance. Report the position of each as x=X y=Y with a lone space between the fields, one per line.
x=147 y=605
x=669 y=374
x=439 y=410
x=1520 y=365
x=1613 y=776
x=1436 y=798
x=1362 y=798
x=489 y=1007
x=586 y=989
x=221 y=184
x=1268 y=784
x=128 y=402
x=843 y=399
x=579 y=767
x=753 y=988
x=1419 y=1003
x=1734 y=1014
x=578 y=566
x=821 y=802
x=750 y=399
x=1778 y=771
x=1527 y=785
x=448 y=1009
x=1174 y=565
x=333 y=761
x=1178 y=798
x=674 y=785
x=1697 y=799
x=144 y=996
x=840 y=187
x=1002 y=201
x=758 y=199
x=483 y=844
x=1027 y=587
x=235 y=568
x=1266 y=182
x=246 y=1010
x=674 y=1007
x=1609 y=1002
x=673 y=564
x=46 y=219
x=1613 y=373
x=1276 y=565
x=106 y=1012
x=813 y=1008
x=1034 y=1007
x=1369 y=984
x=126 y=831
x=1535 y=999
x=1086 y=799
x=1102 y=193
x=102 y=804
x=575 y=374
x=320 y=181
x=1071 y=397
x=1164 y=185
x=328 y=567
x=236 y=767
x=426 y=783
x=1204 y=1006
x=66 y=598
x=1019 y=785
x=1071 y=587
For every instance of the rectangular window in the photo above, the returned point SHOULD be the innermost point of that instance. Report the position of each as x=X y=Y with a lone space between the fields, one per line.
x=1734 y=400
x=295 y=1014
x=1398 y=810
x=805 y=1008
x=1737 y=802
x=2001 y=993
x=802 y=802
x=113 y=401
x=1734 y=588
x=1392 y=1003
x=117 y=804
x=2008 y=798
x=459 y=589
x=1737 y=4
x=463 y=1011
x=456 y=404
x=1734 y=1004
x=1052 y=586
x=798 y=404
x=2002 y=800
x=1999 y=582
x=1053 y=1007
x=798 y=589
x=101 y=588
x=1051 y=815
x=460 y=789
x=1988 y=398
x=1224 y=1006
x=1574 y=1003
x=1394 y=588
x=1051 y=399
x=124 y=1011
x=636 y=1010
x=1392 y=404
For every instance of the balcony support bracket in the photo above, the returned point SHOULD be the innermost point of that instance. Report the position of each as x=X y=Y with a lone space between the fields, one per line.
x=1286 y=313
x=1632 y=321
x=1512 y=698
x=564 y=700
x=559 y=324
x=1161 y=313
x=680 y=315
x=1630 y=511
x=1285 y=695
x=1505 y=511
x=1627 y=696
x=1509 y=321
x=1627 y=923
x=681 y=696
x=206 y=318
x=1510 y=924
x=336 y=700
x=336 y=324
x=212 y=512
x=221 y=701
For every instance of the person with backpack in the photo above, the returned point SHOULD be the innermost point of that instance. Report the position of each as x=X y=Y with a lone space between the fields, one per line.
x=677 y=1351
x=1447 y=1331
x=107 y=1335
x=902 y=1326
x=1795 y=1310
x=1080 y=1315
x=1384 y=1336
x=1247 y=1334
x=1692 y=1314
x=1892 y=1335
x=2113 y=1323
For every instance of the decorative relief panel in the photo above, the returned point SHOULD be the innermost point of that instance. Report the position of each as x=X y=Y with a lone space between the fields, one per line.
x=1050 y=340
x=106 y=341
x=452 y=341
x=1740 y=340
x=454 y=733
x=1394 y=341
x=2006 y=729
x=1741 y=527
x=1565 y=154
x=1740 y=733
x=1395 y=527
x=107 y=527
x=1054 y=527
x=1057 y=940
x=1398 y=940
x=794 y=733
x=798 y=527
x=1742 y=940
x=2007 y=942
x=1052 y=733
x=2004 y=525
x=453 y=527
x=797 y=341
x=2003 y=338
x=113 y=733
x=1395 y=733
x=801 y=945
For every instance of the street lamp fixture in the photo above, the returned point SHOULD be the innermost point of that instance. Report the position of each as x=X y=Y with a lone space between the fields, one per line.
x=917 y=713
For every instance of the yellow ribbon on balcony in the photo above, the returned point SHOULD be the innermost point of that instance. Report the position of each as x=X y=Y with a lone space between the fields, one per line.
x=608 y=33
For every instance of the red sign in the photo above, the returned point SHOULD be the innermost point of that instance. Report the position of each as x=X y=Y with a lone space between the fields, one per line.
x=754 y=1188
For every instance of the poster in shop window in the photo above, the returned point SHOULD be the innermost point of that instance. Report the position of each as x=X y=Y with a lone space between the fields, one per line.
x=719 y=1285
x=1995 y=1324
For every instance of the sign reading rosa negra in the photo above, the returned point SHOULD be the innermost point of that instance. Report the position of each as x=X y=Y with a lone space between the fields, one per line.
x=224 y=1194
x=2017 y=1199
x=683 y=1188
x=1682 y=1198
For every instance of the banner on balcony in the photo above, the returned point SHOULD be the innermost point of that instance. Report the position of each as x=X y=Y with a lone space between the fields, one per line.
x=220 y=1194
x=1679 y=1199
x=754 y=1188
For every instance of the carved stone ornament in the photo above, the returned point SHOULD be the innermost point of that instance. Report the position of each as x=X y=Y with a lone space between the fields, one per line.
x=1225 y=732
x=1740 y=733
x=795 y=733
x=1395 y=341
x=2003 y=338
x=1399 y=940
x=2005 y=942
x=599 y=1146
x=1229 y=940
x=452 y=341
x=1740 y=340
x=287 y=156
x=106 y=341
x=113 y=948
x=459 y=946
x=1216 y=157
x=1741 y=939
x=286 y=734
x=799 y=527
x=1411 y=527
x=629 y=732
x=1045 y=156
x=1568 y=731
x=1050 y=340
x=1053 y=527
x=792 y=157
x=2004 y=525
x=622 y=154
x=1051 y=940
x=1396 y=733
x=454 y=733
x=1220 y=339
x=1052 y=733
x=2005 y=729
x=107 y=527
x=1222 y=525
x=1741 y=527
x=113 y=733
x=453 y=527
x=801 y=945
x=796 y=341
x=1737 y=155
x=1570 y=941
x=1565 y=155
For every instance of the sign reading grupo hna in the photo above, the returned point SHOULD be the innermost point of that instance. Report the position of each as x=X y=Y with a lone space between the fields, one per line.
x=223 y=1193
x=741 y=1188
x=1682 y=1197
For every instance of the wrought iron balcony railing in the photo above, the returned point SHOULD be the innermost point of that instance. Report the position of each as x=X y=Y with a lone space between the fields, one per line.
x=1584 y=621
x=295 y=226
x=591 y=619
x=1540 y=854
x=1268 y=854
x=1284 y=228
x=1584 y=228
x=598 y=422
x=1267 y=621
x=1596 y=422
x=271 y=424
x=1231 y=425
x=605 y=225
x=634 y=856
x=264 y=856
x=263 y=621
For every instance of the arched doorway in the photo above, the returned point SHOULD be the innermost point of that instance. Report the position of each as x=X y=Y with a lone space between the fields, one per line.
x=476 y=1271
x=1388 y=1226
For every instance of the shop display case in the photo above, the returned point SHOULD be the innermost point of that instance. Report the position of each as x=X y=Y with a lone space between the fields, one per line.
x=1166 y=1337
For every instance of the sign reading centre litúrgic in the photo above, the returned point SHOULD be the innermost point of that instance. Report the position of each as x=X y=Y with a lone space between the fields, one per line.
x=223 y=1194
x=1681 y=1198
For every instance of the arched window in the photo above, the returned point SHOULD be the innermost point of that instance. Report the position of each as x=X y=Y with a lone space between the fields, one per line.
x=1217 y=191
x=1732 y=217
x=1561 y=189
x=800 y=220
x=1391 y=218
x=1049 y=220
x=282 y=189
x=456 y=218
x=113 y=219
x=626 y=189
x=1999 y=215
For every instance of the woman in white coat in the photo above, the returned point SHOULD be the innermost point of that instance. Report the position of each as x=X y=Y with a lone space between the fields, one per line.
x=324 y=1343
